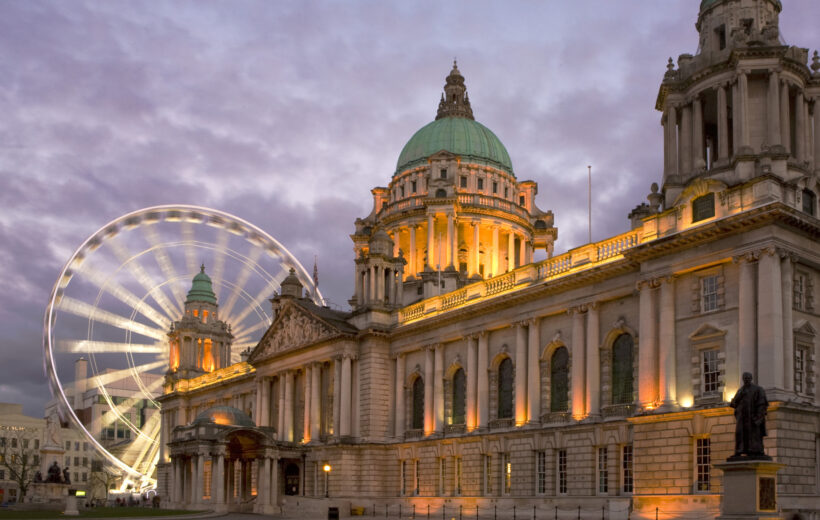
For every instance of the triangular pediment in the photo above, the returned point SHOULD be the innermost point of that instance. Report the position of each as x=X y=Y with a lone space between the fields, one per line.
x=707 y=331
x=805 y=328
x=293 y=328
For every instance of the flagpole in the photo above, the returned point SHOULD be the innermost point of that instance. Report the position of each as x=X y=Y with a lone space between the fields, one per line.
x=589 y=197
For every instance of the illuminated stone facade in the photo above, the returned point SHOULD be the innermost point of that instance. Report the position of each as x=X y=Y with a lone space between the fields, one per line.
x=468 y=374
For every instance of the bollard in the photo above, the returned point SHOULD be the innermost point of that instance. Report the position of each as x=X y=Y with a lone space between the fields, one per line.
x=602 y=512
x=556 y=512
x=513 y=511
x=386 y=515
x=656 y=513
x=459 y=511
x=579 y=512
x=374 y=509
x=414 y=510
x=399 y=509
x=443 y=508
x=495 y=512
x=476 y=512
x=533 y=512
x=428 y=511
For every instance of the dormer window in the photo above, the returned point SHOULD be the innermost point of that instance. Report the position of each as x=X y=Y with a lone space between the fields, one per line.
x=463 y=182
x=413 y=186
x=521 y=200
x=495 y=187
x=506 y=192
x=703 y=207
x=444 y=173
x=480 y=184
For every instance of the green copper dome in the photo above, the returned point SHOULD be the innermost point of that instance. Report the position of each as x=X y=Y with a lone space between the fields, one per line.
x=458 y=135
x=201 y=289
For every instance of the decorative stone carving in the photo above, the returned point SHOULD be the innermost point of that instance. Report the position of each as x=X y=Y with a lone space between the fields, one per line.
x=294 y=330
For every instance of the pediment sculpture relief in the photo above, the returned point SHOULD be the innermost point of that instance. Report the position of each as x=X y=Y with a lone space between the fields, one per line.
x=295 y=330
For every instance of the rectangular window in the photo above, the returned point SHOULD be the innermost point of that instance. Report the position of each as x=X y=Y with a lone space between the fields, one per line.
x=14 y=442
x=702 y=464
x=443 y=173
x=85 y=446
x=404 y=480
x=457 y=483
x=36 y=460
x=521 y=200
x=76 y=461
x=709 y=293
x=480 y=184
x=85 y=477
x=703 y=207
x=68 y=444
x=413 y=186
x=401 y=191
x=710 y=374
x=488 y=475
x=2 y=442
x=799 y=291
x=603 y=473
x=561 y=465
x=36 y=444
x=68 y=461
x=463 y=182
x=800 y=356
x=626 y=469
x=442 y=470
x=2 y=474
x=507 y=475
x=495 y=187
x=85 y=462
x=254 y=475
x=506 y=192
x=540 y=472
x=25 y=444
x=416 y=477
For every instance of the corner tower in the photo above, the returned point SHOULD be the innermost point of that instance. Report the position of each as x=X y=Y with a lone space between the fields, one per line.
x=199 y=342
x=745 y=105
x=453 y=212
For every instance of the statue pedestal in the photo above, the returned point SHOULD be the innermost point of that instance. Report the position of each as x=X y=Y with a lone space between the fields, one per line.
x=749 y=489
x=48 y=455
x=71 y=505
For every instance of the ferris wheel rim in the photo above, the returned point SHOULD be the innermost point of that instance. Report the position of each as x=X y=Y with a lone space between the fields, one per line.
x=250 y=232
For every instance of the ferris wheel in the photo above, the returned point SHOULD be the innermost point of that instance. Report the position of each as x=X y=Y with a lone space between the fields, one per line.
x=105 y=331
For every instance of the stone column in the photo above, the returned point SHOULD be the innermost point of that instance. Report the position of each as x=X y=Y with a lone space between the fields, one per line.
x=429 y=421
x=265 y=411
x=494 y=268
x=769 y=321
x=345 y=397
x=315 y=401
x=472 y=372
x=263 y=478
x=697 y=135
x=785 y=117
x=747 y=328
x=308 y=386
x=799 y=128
x=400 y=379
x=522 y=250
x=218 y=471
x=666 y=122
x=648 y=357
x=667 y=375
x=257 y=411
x=743 y=92
x=288 y=406
x=431 y=240
x=723 y=124
x=274 y=481
x=178 y=496
x=449 y=252
x=685 y=155
x=520 y=373
x=773 y=109
x=163 y=437
x=593 y=364
x=787 y=282
x=359 y=284
x=510 y=251
x=281 y=419
x=577 y=363
x=817 y=143
x=337 y=392
x=411 y=262
x=438 y=387
x=483 y=415
x=534 y=372
x=476 y=253
x=200 y=479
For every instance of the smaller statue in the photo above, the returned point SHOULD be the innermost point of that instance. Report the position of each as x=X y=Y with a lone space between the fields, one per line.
x=38 y=477
x=53 y=476
x=66 y=476
x=750 y=406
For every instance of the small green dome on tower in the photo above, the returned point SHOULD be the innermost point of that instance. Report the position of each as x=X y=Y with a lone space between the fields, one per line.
x=201 y=289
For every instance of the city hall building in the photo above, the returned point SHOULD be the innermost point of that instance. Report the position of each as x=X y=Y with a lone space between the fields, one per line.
x=467 y=374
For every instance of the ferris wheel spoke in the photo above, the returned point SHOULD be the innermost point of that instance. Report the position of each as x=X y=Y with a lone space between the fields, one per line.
x=247 y=331
x=85 y=310
x=119 y=292
x=164 y=262
x=265 y=293
x=113 y=376
x=78 y=346
x=190 y=255
x=241 y=281
x=122 y=408
x=143 y=278
x=220 y=249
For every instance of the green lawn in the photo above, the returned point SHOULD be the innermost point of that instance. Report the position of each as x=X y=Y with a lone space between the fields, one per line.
x=98 y=512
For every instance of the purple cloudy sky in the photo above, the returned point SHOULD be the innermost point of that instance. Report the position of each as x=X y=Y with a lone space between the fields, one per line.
x=287 y=113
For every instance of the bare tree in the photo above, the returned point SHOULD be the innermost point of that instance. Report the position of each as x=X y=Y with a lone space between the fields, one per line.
x=19 y=455
x=102 y=477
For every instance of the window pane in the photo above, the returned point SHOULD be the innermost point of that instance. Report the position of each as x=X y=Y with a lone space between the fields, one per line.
x=703 y=207
x=711 y=374
x=418 y=404
x=626 y=468
x=622 y=370
x=459 y=397
x=559 y=380
x=505 y=389
x=702 y=461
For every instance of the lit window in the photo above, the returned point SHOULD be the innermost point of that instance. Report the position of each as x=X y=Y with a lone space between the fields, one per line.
x=541 y=472
x=710 y=374
x=703 y=207
x=702 y=463
x=206 y=476
x=603 y=476
x=196 y=313
x=507 y=476
x=562 y=472
x=626 y=468
x=709 y=293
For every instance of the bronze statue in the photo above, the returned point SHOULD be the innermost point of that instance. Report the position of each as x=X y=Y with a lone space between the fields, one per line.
x=53 y=476
x=66 y=476
x=750 y=406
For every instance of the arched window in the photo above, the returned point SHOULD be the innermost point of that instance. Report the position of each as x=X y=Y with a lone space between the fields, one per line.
x=417 y=422
x=559 y=380
x=459 y=397
x=622 y=377
x=441 y=194
x=505 y=389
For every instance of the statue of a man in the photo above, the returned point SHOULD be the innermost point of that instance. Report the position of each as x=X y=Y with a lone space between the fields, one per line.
x=750 y=406
x=53 y=474
x=66 y=476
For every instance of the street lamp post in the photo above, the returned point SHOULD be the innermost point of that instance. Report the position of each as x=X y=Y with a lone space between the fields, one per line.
x=327 y=468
